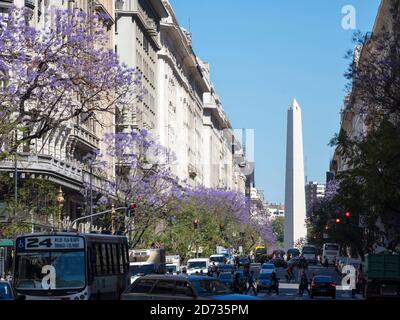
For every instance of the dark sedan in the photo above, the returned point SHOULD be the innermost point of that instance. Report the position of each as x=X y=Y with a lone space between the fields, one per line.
x=323 y=286
x=279 y=262
x=171 y=287
x=264 y=281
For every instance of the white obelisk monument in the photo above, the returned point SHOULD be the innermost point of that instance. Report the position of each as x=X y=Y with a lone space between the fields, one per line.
x=295 y=202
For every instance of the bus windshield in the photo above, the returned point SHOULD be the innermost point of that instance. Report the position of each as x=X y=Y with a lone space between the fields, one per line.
x=50 y=270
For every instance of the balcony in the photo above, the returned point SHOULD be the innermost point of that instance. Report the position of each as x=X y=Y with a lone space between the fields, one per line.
x=84 y=136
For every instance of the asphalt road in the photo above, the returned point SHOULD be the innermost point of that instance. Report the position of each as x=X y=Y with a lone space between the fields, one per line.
x=289 y=291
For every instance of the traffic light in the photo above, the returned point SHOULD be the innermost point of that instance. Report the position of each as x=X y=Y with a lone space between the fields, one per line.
x=130 y=209
x=347 y=215
x=196 y=224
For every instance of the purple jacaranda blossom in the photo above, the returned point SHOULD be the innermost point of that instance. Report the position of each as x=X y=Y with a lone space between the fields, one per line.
x=51 y=75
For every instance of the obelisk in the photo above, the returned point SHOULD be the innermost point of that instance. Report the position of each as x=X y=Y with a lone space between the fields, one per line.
x=295 y=202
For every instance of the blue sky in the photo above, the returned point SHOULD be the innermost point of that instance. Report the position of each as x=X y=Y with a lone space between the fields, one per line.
x=263 y=53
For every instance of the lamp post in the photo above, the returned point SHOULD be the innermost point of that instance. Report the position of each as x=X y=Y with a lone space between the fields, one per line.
x=60 y=201
x=91 y=197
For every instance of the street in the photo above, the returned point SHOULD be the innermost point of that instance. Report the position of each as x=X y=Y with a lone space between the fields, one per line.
x=289 y=291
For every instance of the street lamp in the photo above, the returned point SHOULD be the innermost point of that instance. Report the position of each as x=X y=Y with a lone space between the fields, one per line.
x=60 y=201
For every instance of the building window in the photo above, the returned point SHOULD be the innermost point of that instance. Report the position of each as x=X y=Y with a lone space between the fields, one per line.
x=145 y=44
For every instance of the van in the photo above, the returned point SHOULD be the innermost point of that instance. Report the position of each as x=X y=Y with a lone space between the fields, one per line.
x=199 y=265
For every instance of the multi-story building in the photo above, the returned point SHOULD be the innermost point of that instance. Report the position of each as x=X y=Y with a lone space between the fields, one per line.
x=354 y=112
x=181 y=86
x=137 y=41
x=276 y=210
x=314 y=192
x=58 y=156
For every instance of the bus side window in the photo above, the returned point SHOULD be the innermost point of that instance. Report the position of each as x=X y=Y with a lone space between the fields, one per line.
x=110 y=259
x=98 y=259
x=91 y=262
x=121 y=258
x=115 y=258
x=126 y=257
x=104 y=258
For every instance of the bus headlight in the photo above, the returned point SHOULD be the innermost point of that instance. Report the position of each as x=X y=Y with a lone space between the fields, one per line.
x=82 y=297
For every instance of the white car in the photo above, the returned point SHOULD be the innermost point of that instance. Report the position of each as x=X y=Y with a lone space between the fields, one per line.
x=218 y=259
x=267 y=268
x=199 y=266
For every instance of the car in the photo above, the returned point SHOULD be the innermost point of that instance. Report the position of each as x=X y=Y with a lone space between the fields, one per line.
x=256 y=268
x=279 y=262
x=226 y=268
x=8 y=293
x=174 y=287
x=267 y=268
x=244 y=263
x=293 y=262
x=323 y=286
x=263 y=281
x=139 y=269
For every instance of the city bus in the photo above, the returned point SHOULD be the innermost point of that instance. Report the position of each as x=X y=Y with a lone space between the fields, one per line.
x=330 y=251
x=71 y=266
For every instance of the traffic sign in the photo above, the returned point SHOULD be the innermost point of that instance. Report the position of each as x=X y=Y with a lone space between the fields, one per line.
x=363 y=221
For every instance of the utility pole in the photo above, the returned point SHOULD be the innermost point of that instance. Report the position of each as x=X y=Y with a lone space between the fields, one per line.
x=113 y=220
x=91 y=197
x=15 y=176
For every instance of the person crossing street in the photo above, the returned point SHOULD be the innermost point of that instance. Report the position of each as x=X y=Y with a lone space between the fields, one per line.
x=251 y=283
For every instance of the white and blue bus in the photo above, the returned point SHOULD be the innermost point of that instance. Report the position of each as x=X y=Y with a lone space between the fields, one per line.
x=71 y=266
x=330 y=251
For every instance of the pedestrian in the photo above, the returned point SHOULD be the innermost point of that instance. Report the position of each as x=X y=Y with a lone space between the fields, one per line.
x=360 y=282
x=274 y=284
x=237 y=284
x=326 y=262
x=303 y=284
x=251 y=283
x=289 y=272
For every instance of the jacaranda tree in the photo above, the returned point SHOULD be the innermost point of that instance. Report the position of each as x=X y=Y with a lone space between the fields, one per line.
x=51 y=75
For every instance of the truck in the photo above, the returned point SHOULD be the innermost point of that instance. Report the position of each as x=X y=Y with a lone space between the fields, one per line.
x=382 y=275
x=173 y=263
x=146 y=261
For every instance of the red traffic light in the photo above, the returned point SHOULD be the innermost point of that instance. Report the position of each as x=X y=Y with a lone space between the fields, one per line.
x=338 y=220
x=348 y=214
